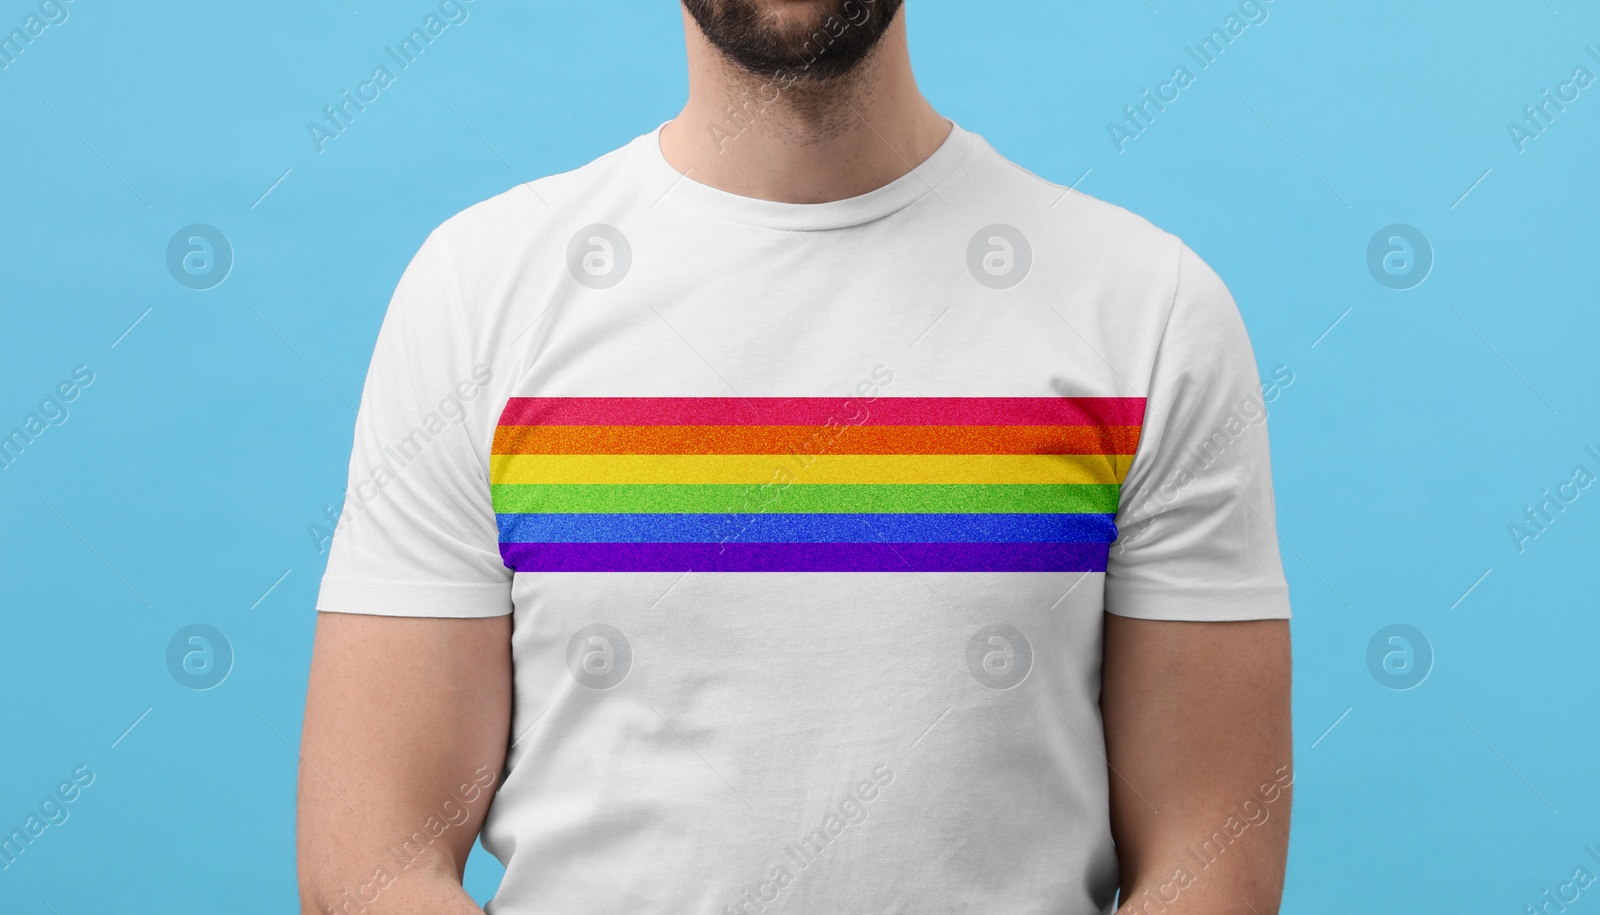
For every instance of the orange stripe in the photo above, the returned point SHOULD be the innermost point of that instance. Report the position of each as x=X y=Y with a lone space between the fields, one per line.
x=816 y=439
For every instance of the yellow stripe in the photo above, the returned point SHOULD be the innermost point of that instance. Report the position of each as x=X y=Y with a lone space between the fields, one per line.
x=827 y=468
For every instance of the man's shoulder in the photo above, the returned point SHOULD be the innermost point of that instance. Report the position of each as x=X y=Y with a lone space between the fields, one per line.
x=529 y=210
x=1066 y=219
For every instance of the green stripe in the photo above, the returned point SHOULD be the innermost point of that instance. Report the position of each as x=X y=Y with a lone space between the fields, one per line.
x=805 y=498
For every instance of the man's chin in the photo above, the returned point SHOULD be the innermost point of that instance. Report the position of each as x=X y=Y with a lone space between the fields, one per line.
x=802 y=40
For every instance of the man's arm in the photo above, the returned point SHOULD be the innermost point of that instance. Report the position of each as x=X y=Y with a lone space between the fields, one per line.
x=1198 y=737
x=405 y=736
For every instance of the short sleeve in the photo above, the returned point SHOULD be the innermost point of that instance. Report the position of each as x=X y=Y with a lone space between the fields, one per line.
x=417 y=534
x=1197 y=534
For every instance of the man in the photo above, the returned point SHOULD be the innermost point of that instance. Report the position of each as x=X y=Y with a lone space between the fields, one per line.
x=802 y=509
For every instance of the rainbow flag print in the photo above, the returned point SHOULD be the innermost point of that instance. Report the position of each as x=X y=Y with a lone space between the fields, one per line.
x=811 y=484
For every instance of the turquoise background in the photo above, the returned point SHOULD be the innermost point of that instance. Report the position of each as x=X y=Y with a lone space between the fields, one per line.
x=181 y=486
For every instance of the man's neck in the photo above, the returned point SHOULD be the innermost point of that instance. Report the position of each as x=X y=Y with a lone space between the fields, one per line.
x=802 y=142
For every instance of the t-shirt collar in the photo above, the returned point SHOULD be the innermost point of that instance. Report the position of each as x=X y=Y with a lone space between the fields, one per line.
x=681 y=190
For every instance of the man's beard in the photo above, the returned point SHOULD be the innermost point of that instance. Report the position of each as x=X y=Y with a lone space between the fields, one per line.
x=824 y=47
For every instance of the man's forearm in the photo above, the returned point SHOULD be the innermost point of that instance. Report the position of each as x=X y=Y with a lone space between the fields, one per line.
x=1233 y=866
x=409 y=892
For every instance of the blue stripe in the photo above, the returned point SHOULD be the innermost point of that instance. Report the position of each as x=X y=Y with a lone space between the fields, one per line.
x=806 y=528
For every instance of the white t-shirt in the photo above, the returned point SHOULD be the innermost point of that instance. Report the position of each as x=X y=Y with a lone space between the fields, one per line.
x=805 y=514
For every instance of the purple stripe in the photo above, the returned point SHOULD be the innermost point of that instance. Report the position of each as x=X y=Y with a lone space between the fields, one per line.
x=805 y=557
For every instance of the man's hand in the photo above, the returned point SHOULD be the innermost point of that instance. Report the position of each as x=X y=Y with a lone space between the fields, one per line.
x=1198 y=738
x=404 y=741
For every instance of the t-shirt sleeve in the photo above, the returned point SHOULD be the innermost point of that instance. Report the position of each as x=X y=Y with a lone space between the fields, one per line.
x=1197 y=533
x=417 y=535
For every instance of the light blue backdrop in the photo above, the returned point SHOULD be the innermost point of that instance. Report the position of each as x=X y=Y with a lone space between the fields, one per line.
x=178 y=486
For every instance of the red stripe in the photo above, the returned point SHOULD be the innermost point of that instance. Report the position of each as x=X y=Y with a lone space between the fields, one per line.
x=821 y=411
